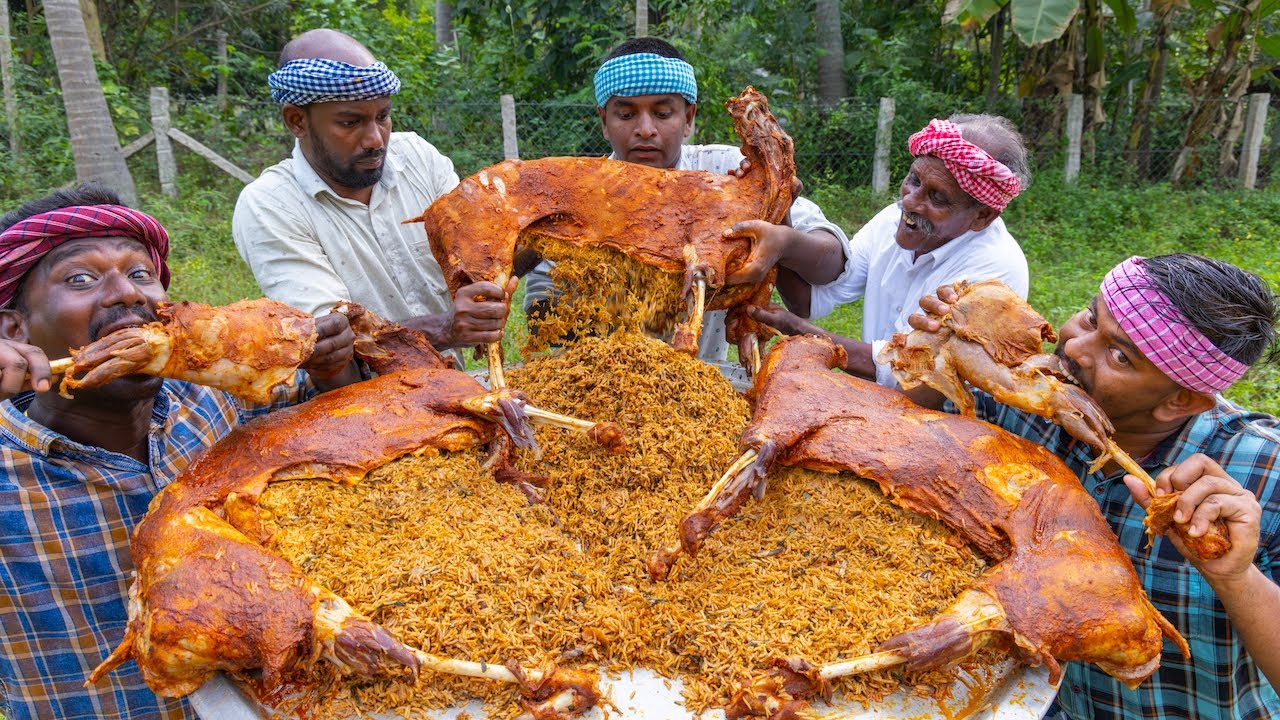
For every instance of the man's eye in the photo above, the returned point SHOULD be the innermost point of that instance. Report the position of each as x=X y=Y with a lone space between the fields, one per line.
x=79 y=279
x=938 y=199
x=1118 y=355
x=141 y=273
x=663 y=115
x=348 y=124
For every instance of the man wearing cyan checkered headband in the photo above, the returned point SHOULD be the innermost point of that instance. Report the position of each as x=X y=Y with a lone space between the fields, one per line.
x=324 y=225
x=647 y=97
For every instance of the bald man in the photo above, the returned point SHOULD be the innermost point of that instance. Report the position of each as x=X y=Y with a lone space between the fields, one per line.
x=325 y=224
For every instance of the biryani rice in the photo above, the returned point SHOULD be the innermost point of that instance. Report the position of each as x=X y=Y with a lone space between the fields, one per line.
x=459 y=565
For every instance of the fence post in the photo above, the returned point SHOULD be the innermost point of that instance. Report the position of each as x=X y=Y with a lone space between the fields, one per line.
x=642 y=18
x=510 y=148
x=1253 y=129
x=221 y=36
x=164 y=150
x=884 y=138
x=1075 y=127
x=6 y=78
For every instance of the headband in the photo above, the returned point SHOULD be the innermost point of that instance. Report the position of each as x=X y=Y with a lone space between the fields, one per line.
x=317 y=80
x=1164 y=334
x=988 y=180
x=645 y=74
x=25 y=242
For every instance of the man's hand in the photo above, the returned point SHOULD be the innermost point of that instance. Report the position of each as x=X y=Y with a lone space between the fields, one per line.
x=784 y=321
x=935 y=308
x=1209 y=494
x=769 y=243
x=23 y=367
x=479 y=314
x=744 y=167
x=334 y=348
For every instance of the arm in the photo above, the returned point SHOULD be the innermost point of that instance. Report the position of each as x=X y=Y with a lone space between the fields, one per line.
x=1251 y=599
x=478 y=317
x=859 y=353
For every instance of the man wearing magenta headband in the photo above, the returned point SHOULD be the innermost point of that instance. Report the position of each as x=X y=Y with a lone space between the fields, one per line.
x=647 y=95
x=78 y=473
x=945 y=227
x=325 y=224
x=1157 y=346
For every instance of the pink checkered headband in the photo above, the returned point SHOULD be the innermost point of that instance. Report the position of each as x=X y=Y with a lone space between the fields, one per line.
x=988 y=180
x=1164 y=334
x=23 y=244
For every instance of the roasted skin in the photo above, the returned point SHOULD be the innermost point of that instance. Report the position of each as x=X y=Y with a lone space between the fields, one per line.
x=992 y=340
x=208 y=596
x=673 y=220
x=247 y=348
x=1060 y=589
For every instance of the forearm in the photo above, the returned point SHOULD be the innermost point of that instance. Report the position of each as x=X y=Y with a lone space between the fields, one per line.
x=350 y=374
x=1253 y=604
x=817 y=256
x=438 y=328
x=795 y=292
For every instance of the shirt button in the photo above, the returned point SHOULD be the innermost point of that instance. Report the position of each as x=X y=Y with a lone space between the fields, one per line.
x=1098 y=489
x=1075 y=689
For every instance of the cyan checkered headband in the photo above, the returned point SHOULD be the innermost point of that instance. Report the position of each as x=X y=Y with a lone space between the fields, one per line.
x=645 y=74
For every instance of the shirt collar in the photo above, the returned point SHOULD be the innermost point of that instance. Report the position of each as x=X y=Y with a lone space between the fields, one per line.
x=314 y=185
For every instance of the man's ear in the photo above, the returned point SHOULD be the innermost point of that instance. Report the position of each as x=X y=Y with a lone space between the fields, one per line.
x=690 y=112
x=13 y=326
x=603 y=129
x=295 y=118
x=1182 y=403
x=984 y=217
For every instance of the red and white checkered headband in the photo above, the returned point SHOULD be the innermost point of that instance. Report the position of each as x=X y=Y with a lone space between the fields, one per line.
x=23 y=244
x=988 y=180
x=1164 y=334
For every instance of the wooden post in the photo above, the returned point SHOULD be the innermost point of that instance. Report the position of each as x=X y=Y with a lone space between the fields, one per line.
x=884 y=139
x=642 y=18
x=164 y=150
x=1254 y=126
x=510 y=149
x=1075 y=127
x=221 y=36
x=6 y=78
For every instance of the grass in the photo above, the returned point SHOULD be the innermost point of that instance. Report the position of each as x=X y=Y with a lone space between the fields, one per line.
x=1072 y=235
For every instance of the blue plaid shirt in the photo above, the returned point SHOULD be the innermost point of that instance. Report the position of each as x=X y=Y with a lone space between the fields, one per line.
x=1220 y=680
x=67 y=512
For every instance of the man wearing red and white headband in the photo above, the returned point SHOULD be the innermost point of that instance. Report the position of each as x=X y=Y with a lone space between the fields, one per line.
x=944 y=227
x=77 y=474
x=1156 y=347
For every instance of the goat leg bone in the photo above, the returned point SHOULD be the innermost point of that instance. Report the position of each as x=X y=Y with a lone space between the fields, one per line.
x=723 y=500
x=494 y=404
x=548 y=694
x=60 y=367
x=695 y=292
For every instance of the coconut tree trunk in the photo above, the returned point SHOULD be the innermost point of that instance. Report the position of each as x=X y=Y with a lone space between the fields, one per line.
x=1139 y=145
x=93 y=29
x=831 y=81
x=996 y=61
x=6 y=79
x=444 y=24
x=94 y=142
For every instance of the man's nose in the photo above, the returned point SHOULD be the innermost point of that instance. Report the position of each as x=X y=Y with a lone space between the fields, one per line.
x=1075 y=348
x=645 y=126
x=120 y=289
x=372 y=138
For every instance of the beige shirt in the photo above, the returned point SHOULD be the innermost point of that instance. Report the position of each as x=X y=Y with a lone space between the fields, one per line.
x=310 y=248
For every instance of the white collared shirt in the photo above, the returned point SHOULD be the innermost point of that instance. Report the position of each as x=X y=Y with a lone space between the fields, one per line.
x=309 y=247
x=712 y=345
x=891 y=282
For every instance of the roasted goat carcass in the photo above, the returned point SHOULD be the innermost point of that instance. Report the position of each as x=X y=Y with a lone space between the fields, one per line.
x=208 y=596
x=1061 y=588
x=672 y=220
x=992 y=339
x=247 y=348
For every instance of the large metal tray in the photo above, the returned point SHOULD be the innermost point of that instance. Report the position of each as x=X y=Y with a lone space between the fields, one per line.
x=1011 y=692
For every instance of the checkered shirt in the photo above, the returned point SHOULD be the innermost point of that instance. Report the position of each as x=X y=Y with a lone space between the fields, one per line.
x=1220 y=680
x=645 y=74
x=67 y=511
x=317 y=80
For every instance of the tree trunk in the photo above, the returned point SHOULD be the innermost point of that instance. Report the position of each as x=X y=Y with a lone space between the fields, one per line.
x=997 y=58
x=444 y=24
x=831 y=82
x=1208 y=89
x=1139 y=145
x=93 y=29
x=1095 y=77
x=6 y=81
x=94 y=142
x=1228 y=163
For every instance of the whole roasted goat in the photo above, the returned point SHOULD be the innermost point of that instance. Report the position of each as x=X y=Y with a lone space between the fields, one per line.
x=992 y=339
x=1060 y=587
x=673 y=220
x=208 y=596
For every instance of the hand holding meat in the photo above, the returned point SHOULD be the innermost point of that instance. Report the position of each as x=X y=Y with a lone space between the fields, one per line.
x=23 y=367
x=334 y=346
x=1200 y=494
x=769 y=244
x=480 y=313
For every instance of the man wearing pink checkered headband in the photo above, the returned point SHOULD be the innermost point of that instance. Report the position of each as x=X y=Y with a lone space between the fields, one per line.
x=1156 y=348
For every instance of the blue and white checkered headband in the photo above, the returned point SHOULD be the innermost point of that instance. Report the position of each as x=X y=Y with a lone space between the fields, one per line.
x=317 y=80
x=645 y=74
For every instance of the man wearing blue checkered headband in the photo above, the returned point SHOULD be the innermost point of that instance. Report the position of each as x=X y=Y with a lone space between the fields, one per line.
x=324 y=224
x=647 y=97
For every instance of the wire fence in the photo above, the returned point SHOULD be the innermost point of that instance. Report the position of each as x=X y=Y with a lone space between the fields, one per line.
x=834 y=145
